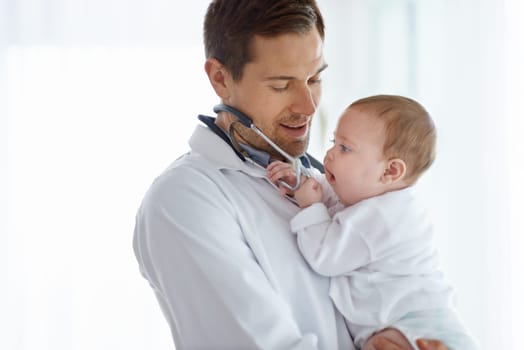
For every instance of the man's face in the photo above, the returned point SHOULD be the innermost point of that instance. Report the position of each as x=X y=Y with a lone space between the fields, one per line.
x=280 y=90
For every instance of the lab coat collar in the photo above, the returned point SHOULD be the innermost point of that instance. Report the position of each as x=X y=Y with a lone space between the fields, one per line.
x=208 y=144
x=260 y=157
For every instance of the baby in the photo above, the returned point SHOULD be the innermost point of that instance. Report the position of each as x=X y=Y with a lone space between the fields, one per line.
x=361 y=225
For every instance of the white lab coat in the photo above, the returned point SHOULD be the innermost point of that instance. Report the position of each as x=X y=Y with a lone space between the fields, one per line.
x=212 y=237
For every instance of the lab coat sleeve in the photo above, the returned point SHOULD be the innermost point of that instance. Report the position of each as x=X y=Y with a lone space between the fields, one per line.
x=211 y=289
x=331 y=247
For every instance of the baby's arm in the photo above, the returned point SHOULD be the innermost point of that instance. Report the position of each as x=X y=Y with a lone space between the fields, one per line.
x=330 y=247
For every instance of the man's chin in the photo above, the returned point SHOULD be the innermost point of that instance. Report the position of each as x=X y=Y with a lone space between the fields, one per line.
x=296 y=149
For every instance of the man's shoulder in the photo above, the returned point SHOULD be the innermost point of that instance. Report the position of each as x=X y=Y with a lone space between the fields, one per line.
x=188 y=181
x=186 y=170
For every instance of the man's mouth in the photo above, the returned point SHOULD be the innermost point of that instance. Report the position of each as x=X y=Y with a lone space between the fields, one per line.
x=296 y=131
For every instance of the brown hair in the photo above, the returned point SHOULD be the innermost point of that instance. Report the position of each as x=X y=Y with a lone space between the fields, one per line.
x=409 y=131
x=230 y=25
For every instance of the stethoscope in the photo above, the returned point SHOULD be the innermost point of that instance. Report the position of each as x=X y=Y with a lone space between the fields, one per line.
x=247 y=122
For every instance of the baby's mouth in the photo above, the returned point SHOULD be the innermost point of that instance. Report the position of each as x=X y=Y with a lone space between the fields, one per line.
x=330 y=177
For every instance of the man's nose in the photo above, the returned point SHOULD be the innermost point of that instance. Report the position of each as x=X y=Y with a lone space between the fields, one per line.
x=305 y=101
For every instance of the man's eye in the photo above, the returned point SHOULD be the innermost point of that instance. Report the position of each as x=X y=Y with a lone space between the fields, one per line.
x=316 y=80
x=279 y=88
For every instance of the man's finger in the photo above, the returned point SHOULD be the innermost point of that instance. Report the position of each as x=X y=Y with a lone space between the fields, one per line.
x=381 y=343
x=430 y=344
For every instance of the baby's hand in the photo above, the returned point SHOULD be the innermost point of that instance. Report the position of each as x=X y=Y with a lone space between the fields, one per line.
x=309 y=192
x=280 y=171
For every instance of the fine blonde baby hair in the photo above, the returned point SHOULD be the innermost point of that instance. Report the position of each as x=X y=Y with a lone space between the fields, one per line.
x=410 y=133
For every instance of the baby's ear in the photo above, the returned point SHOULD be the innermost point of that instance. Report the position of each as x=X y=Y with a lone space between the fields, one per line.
x=395 y=171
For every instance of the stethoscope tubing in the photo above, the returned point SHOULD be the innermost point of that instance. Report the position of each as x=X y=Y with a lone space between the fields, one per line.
x=248 y=122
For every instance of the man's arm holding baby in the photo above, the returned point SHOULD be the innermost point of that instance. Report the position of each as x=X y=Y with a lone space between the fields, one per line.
x=392 y=339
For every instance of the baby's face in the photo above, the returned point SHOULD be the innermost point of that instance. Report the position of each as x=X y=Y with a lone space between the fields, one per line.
x=355 y=164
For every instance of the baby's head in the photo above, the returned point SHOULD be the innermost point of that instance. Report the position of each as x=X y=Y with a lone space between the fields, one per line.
x=382 y=143
x=409 y=132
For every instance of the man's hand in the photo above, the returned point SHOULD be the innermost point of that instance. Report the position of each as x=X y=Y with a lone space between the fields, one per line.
x=388 y=339
x=392 y=339
x=431 y=344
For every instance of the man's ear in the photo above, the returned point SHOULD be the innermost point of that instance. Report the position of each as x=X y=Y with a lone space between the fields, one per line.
x=395 y=171
x=218 y=77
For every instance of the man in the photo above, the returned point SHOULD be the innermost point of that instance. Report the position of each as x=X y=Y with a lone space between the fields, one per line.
x=212 y=234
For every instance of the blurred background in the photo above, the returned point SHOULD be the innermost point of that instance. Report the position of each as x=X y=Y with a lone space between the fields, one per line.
x=97 y=97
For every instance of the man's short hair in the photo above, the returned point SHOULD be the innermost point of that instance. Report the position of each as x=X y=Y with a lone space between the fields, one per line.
x=230 y=26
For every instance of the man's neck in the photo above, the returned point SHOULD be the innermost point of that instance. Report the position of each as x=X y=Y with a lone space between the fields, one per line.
x=224 y=121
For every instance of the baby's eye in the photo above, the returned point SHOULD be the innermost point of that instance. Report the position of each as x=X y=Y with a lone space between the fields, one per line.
x=332 y=141
x=345 y=148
